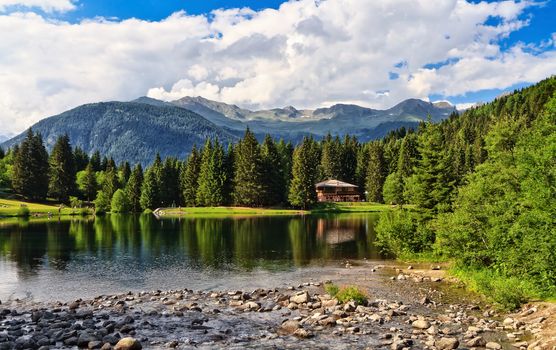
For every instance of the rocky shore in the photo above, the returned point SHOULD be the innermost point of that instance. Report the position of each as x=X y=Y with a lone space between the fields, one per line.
x=297 y=316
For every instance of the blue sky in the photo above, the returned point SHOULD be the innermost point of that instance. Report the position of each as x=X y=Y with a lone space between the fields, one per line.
x=57 y=54
x=155 y=10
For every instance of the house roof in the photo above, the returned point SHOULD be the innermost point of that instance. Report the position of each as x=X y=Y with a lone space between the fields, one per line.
x=334 y=183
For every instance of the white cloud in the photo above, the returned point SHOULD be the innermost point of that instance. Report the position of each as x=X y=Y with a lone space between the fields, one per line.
x=307 y=54
x=45 y=5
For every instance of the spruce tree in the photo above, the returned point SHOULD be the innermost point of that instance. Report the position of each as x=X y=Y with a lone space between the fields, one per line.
x=331 y=160
x=306 y=159
x=133 y=189
x=30 y=169
x=90 y=185
x=362 y=166
x=81 y=159
x=376 y=172
x=169 y=182
x=349 y=149
x=407 y=156
x=229 y=166
x=272 y=171
x=62 y=170
x=111 y=181
x=150 y=190
x=2 y=153
x=212 y=175
x=124 y=172
x=189 y=177
x=95 y=161
x=285 y=150
x=248 y=179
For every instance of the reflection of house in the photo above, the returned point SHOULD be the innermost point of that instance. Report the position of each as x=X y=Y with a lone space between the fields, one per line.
x=336 y=232
x=337 y=191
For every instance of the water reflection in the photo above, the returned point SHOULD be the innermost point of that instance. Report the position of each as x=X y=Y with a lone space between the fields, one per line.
x=117 y=244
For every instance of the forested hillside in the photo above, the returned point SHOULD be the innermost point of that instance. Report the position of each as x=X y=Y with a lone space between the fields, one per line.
x=129 y=131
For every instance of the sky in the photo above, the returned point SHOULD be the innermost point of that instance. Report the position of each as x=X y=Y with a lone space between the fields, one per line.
x=59 y=54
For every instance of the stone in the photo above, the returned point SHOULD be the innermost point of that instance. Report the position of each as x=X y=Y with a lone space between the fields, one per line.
x=421 y=324
x=94 y=344
x=289 y=327
x=302 y=333
x=300 y=298
x=447 y=343
x=106 y=346
x=508 y=321
x=476 y=342
x=493 y=345
x=128 y=343
x=84 y=339
x=329 y=321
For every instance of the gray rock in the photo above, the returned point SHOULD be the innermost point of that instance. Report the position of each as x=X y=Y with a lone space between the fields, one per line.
x=300 y=298
x=128 y=344
x=476 y=342
x=289 y=327
x=421 y=324
x=493 y=345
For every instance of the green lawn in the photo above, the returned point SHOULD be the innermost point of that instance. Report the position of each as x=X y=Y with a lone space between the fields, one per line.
x=11 y=207
x=353 y=207
x=226 y=211
x=319 y=209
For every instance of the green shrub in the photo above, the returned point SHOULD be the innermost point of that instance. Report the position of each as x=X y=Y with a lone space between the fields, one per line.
x=102 y=203
x=331 y=289
x=351 y=293
x=120 y=204
x=23 y=211
x=401 y=233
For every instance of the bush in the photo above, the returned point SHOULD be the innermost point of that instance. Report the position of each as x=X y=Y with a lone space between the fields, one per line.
x=402 y=233
x=23 y=211
x=508 y=292
x=351 y=293
x=102 y=203
x=120 y=204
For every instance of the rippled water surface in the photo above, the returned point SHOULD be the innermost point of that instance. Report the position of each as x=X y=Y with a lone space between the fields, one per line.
x=67 y=259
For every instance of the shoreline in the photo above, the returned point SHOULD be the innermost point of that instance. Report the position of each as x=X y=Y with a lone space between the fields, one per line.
x=404 y=312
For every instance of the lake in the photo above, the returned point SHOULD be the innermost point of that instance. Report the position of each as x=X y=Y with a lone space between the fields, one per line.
x=77 y=258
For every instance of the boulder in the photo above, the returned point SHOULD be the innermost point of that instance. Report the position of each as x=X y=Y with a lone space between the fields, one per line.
x=493 y=345
x=128 y=344
x=421 y=324
x=289 y=327
x=447 y=343
x=476 y=342
x=300 y=298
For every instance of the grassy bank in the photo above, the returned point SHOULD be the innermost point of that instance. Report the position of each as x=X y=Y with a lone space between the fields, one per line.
x=319 y=209
x=14 y=208
x=226 y=211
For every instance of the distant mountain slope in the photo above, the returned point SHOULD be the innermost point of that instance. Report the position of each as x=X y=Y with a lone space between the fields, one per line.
x=136 y=130
x=129 y=130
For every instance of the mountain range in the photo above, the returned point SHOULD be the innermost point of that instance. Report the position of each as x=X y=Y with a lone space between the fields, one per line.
x=135 y=131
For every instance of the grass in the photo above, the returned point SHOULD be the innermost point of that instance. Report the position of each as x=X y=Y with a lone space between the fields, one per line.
x=228 y=211
x=352 y=207
x=508 y=293
x=346 y=293
x=345 y=207
x=16 y=208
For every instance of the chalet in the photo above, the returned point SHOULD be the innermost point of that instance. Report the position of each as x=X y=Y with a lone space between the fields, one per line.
x=337 y=191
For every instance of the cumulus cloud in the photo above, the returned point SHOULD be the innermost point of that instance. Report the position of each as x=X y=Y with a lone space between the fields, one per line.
x=45 y=5
x=307 y=53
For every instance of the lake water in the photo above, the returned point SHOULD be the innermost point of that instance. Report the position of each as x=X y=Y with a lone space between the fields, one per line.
x=67 y=259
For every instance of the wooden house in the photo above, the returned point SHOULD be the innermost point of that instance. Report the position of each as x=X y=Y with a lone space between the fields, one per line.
x=337 y=191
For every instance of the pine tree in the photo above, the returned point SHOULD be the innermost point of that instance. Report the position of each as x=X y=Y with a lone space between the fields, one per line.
x=189 y=176
x=331 y=160
x=248 y=180
x=212 y=175
x=229 y=166
x=111 y=182
x=90 y=185
x=124 y=172
x=349 y=148
x=433 y=183
x=81 y=159
x=62 y=170
x=169 y=182
x=133 y=189
x=362 y=166
x=285 y=150
x=104 y=164
x=407 y=156
x=150 y=189
x=375 y=172
x=272 y=173
x=2 y=153
x=30 y=169
x=95 y=161
x=306 y=159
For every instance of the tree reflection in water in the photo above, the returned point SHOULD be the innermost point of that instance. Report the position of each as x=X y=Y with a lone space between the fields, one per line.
x=241 y=243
